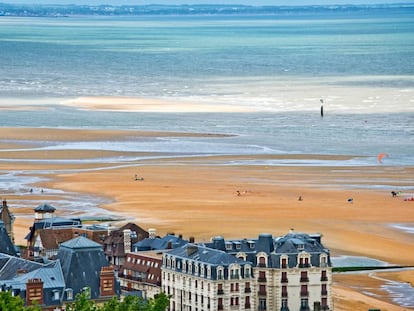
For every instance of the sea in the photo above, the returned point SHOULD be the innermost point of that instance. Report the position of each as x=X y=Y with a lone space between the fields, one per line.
x=356 y=63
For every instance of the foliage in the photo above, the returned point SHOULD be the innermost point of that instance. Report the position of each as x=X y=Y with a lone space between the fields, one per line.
x=84 y=303
x=14 y=303
x=129 y=303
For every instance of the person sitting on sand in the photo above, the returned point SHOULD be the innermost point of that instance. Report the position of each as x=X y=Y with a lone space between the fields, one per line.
x=394 y=194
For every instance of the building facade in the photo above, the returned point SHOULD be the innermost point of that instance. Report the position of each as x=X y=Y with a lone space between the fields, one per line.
x=286 y=273
x=201 y=278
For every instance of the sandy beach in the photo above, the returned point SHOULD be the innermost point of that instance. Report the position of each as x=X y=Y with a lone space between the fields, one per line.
x=148 y=105
x=199 y=197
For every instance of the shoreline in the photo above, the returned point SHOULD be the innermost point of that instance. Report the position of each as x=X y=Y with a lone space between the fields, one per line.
x=197 y=196
x=137 y=104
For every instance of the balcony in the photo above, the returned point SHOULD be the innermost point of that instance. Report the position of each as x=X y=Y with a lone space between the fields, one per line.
x=304 y=265
x=304 y=279
x=220 y=292
x=304 y=293
x=261 y=265
x=248 y=290
x=324 y=278
x=261 y=293
x=220 y=307
x=261 y=279
x=247 y=306
x=324 y=292
x=284 y=280
x=284 y=294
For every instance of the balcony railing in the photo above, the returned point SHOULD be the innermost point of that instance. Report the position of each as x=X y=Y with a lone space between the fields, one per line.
x=262 y=265
x=248 y=290
x=220 y=307
x=324 y=292
x=304 y=265
x=262 y=293
x=220 y=292
x=304 y=279
x=304 y=293
x=324 y=278
x=234 y=276
x=284 y=280
x=247 y=306
x=261 y=279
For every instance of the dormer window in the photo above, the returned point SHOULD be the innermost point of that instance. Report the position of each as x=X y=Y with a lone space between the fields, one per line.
x=251 y=244
x=300 y=246
x=229 y=246
x=56 y=294
x=69 y=294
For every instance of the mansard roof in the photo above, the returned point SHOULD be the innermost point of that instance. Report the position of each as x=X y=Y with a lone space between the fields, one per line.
x=206 y=255
x=290 y=245
x=298 y=242
x=46 y=208
x=168 y=241
x=6 y=245
x=81 y=243
x=81 y=260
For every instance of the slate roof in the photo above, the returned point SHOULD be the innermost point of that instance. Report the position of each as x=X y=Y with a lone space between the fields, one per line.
x=159 y=243
x=51 y=275
x=81 y=260
x=10 y=265
x=6 y=245
x=44 y=207
x=207 y=255
x=291 y=245
x=81 y=243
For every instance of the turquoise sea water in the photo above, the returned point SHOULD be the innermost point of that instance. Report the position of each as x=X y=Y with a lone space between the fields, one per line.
x=360 y=62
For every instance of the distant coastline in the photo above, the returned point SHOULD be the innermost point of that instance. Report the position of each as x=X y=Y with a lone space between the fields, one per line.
x=37 y=10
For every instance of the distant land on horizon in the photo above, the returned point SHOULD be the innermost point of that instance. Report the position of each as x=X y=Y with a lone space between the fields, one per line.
x=59 y=10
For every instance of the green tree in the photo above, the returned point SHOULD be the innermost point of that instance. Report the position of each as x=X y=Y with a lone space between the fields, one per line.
x=82 y=302
x=10 y=303
x=14 y=303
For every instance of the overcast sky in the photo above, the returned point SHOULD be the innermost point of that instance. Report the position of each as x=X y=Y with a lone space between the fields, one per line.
x=250 y=2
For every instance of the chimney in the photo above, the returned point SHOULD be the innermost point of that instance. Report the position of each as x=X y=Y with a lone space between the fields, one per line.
x=192 y=239
x=169 y=245
x=107 y=281
x=127 y=241
x=4 y=203
x=34 y=292
x=152 y=233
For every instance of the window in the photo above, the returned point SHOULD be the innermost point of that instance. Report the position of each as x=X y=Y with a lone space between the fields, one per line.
x=262 y=261
x=56 y=294
x=229 y=246
x=69 y=294
x=284 y=263
x=284 y=291
x=262 y=304
x=247 y=271
x=284 y=277
x=220 y=273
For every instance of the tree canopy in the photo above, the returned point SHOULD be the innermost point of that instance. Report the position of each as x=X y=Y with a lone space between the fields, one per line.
x=82 y=302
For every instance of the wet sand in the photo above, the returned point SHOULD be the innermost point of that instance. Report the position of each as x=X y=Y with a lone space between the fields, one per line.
x=198 y=197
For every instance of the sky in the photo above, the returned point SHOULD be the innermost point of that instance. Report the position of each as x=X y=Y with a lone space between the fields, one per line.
x=249 y=2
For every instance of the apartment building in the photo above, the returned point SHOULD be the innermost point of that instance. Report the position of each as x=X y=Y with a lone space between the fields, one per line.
x=287 y=273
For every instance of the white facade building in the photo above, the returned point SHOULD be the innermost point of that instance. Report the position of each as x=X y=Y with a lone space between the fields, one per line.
x=289 y=273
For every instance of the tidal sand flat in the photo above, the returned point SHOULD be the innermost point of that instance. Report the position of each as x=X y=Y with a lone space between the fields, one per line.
x=219 y=119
